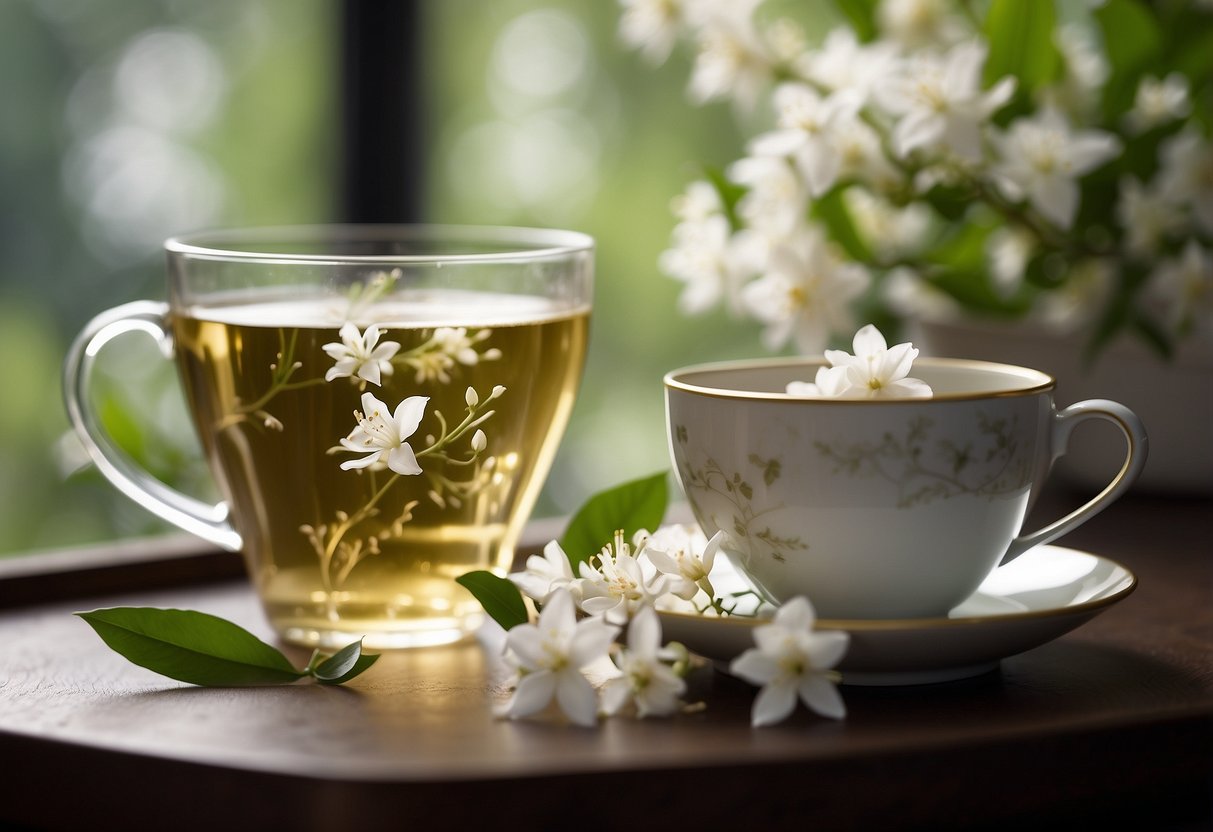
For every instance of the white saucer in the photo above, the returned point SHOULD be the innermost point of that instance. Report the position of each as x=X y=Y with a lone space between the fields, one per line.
x=1039 y=596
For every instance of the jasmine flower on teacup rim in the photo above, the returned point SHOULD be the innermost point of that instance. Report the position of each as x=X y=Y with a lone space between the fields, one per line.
x=549 y=657
x=360 y=355
x=790 y=661
x=874 y=371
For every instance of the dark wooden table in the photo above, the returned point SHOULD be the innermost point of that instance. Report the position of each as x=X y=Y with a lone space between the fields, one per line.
x=1111 y=724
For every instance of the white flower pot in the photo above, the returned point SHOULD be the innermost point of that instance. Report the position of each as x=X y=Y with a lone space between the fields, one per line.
x=1173 y=398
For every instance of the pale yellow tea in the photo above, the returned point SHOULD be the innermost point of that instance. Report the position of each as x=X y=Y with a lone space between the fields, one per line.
x=369 y=466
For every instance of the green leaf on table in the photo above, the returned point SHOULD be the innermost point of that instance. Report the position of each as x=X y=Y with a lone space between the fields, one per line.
x=191 y=647
x=500 y=598
x=343 y=665
x=1020 y=33
x=635 y=505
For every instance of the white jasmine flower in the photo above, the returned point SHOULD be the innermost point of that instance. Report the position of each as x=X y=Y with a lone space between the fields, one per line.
x=360 y=354
x=1086 y=71
x=843 y=63
x=1186 y=173
x=685 y=554
x=699 y=201
x=1181 y=289
x=1042 y=158
x=920 y=23
x=890 y=231
x=862 y=157
x=909 y=295
x=705 y=257
x=549 y=656
x=940 y=102
x=775 y=199
x=1158 y=102
x=381 y=436
x=545 y=574
x=651 y=26
x=619 y=585
x=732 y=59
x=805 y=294
x=790 y=661
x=875 y=371
x=1076 y=302
x=1147 y=215
x=806 y=123
x=447 y=347
x=1008 y=250
x=646 y=678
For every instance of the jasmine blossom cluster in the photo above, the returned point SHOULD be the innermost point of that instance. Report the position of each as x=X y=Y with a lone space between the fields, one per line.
x=917 y=159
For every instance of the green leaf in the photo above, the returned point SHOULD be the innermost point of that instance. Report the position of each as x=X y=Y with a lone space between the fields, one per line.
x=1132 y=39
x=344 y=665
x=831 y=211
x=191 y=647
x=635 y=505
x=861 y=14
x=730 y=193
x=501 y=599
x=1020 y=33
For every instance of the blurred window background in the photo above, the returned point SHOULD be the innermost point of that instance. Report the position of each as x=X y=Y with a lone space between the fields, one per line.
x=130 y=120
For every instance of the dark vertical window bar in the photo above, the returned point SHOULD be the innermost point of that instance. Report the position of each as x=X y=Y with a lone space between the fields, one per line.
x=382 y=111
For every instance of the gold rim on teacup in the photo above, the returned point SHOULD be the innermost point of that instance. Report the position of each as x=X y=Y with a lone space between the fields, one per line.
x=1035 y=381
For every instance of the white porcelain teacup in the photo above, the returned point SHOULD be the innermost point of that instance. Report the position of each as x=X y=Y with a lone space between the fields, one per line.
x=876 y=508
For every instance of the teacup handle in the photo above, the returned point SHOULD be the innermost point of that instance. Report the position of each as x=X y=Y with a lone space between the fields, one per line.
x=206 y=521
x=1064 y=423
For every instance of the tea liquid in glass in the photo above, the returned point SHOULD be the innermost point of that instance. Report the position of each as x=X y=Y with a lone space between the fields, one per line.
x=342 y=554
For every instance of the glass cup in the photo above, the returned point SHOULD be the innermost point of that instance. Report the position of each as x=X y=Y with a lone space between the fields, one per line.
x=379 y=406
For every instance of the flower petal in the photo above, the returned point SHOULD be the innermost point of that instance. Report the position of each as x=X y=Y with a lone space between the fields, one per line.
x=370 y=372
x=526 y=640
x=1056 y=197
x=408 y=415
x=796 y=614
x=773 y=704
x=591 y=640
x=919 y=128
x=402 y=460
x=364 y=462
x=372 y=407
x=754 y=666
x=644 y=633
x=615 y=694
x=868 y=341
x=820 y=696
x=826 y=649
x=533 y=693
x=576 y=697
x=558 y=613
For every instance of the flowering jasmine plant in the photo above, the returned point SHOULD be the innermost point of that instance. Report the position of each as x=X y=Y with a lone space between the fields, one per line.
x=624 y=585
x=1017 y=158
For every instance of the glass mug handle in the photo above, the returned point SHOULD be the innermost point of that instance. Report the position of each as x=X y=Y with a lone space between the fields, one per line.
x=206 y=521
x=1064 y=423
